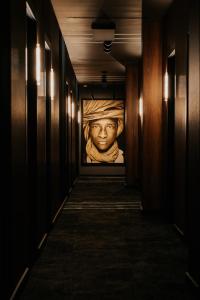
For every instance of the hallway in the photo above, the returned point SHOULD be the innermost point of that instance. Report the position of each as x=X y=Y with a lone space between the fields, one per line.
x=99 y=97
x=102 y=247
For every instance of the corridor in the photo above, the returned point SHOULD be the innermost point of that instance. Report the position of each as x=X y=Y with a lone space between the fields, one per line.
x=100 y=149
x=102 y=247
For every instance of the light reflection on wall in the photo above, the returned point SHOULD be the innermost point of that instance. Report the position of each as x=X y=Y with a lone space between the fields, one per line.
x=166 y=86
x=73 y=110
x=69 y=106
x=140 y=108
x=38 y=63
x=52 y=84
x=79 y=117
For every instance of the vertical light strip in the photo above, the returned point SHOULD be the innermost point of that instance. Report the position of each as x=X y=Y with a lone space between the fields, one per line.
x=52 y=84
x=141 y=107
x=69 y=106
x=79 y=117
x=26 y=64
x=38 y=63
x=73 y=110
x=166 y=86
x=175 y=85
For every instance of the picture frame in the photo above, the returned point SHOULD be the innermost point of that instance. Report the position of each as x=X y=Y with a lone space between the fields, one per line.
x=102 y=132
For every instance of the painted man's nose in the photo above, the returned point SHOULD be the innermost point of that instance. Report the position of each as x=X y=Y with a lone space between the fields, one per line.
x=103 y=133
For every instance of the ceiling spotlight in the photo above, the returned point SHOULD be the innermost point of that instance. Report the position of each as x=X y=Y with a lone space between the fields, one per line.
x=107 y=46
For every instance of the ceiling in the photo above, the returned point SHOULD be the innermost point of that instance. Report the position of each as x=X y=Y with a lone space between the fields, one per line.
x=88 y=58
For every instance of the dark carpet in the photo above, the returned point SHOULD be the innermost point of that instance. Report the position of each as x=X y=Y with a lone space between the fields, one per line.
x=103 y=248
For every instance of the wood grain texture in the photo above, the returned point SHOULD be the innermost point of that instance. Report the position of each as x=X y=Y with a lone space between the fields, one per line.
x=28 y=214
x=18 y=213
x=152 y=106
x=194 y=139
x=5 y=149
x=132 y=124
x=176 y=36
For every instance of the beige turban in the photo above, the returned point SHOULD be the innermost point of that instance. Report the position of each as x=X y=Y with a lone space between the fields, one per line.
x=102 y=109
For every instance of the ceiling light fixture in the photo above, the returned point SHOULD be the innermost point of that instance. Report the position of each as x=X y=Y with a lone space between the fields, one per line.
x=107 y=46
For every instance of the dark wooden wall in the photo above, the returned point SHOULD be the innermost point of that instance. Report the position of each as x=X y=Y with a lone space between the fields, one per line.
x=5 y=149
x=193 y=161
x=31 y=206
x=19 y=208
x=182 y=34
x=152 y=111
x=177 y=39
x=132 y=136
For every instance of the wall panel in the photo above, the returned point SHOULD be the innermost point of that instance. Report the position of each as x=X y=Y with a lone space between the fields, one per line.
x=29 y=212
x=152 y=107
x=176 y=38
x=194 y=142
x=182 y=33
x=5 y=149
x=132 y=134
x=19 y=206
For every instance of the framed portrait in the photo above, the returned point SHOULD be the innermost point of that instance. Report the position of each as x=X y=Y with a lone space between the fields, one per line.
x=102 y=132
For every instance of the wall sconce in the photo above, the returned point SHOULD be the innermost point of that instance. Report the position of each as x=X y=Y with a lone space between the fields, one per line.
x=73 y=110
x=166 y=86
x=38 y=63
x=69 y=106
x=140 y=108
x=52 y=84
x=26 y=64
x=79 y=117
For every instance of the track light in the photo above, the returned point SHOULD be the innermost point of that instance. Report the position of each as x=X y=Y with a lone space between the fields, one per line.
x=107 y=46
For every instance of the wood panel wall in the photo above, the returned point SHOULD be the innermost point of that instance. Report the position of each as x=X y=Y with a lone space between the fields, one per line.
x=182 y=33
x=5 y=149
x=19 y=211
x=132 y=101
x=176 y=38
x=193 y=192
x=31 y=206
x=152 y=111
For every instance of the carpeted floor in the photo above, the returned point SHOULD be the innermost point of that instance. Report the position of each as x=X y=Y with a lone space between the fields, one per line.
x=103 y=248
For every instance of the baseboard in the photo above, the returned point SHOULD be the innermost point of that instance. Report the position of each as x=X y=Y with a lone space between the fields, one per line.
x=75 y=181
x=178 y=230
x=192 y=280
x=59 y=210
x=21 y=280
x=42 y=241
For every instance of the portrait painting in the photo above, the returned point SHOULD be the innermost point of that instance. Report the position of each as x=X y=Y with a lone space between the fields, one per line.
x=102 y=132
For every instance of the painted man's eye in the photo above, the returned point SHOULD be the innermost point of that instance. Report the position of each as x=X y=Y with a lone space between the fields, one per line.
x=110 y=126
x=95 y=126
